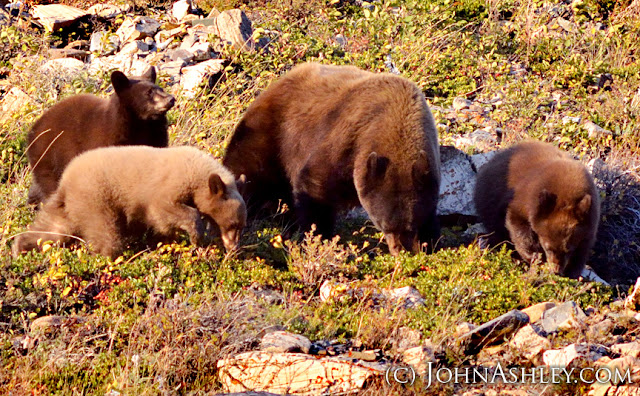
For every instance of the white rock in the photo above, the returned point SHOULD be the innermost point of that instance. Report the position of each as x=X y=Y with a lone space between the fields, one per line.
x=571 y=120
x=108 y=10
x=181 y=9
x=478 y=160
x=65 y=65
x=104 y=43
x=295 y=373
x=457 y=183
x=627 y=349
x=56 y=16
x=407 y=297
x=589 y=275
x=194 y=76
x=564 y=357
x=137 y=28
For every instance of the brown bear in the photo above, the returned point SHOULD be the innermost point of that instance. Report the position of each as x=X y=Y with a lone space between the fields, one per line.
x=542 y=200
x=331 y=137
x=109 y=194
x=134 y=115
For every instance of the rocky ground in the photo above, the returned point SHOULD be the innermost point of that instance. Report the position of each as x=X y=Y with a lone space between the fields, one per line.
x=309 y=316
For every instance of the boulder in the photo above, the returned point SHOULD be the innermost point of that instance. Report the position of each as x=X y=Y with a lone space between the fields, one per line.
x=196 y=75
x=457 y=183
x=565 y=316
x=283 y=341
x=493 y=331
x=57 y=16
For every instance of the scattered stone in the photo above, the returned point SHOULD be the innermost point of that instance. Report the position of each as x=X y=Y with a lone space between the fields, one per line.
x=283 y=341
x=566 y=25
x=594 y=130
x=295 y=374
x=564 y=357
x=367 y=356
x=108 y=10
x=134 y=47
x=407 y=297
x=341 y=40
x=57 y=16
x=47 y=324
x=418 y=357
x=456 y=184
x=12 y=102
x=404 y=338
x=535 y=311
x=137 y=28
x=493 y=331
x=571 y=120
x=530 y=342
x=194 y=76
x=483 y=139
x=563 y=317
x=601 y=329
x=268 y=295
x=180 y=54
x=625 y=390
x=235 y=28
x=461 y=103
x=627 y=349
x=104 y=43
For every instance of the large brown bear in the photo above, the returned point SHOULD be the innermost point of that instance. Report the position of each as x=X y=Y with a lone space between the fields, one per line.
x=330 y=137
x=543 y=201
x=109 y=194
x=134 y=115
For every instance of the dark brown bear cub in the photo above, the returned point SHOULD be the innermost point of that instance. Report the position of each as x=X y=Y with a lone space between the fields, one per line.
x=134 y=115
x=331 y=137
x=112 y=194
x=543 y=201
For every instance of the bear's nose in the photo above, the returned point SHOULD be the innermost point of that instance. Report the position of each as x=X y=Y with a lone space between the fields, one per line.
x=402 y=241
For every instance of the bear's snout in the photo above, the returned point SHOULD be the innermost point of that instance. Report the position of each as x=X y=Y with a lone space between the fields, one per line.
x=402 y=241
x=230 y=239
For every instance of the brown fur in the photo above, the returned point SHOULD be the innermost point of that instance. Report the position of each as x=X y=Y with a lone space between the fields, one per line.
x=133 y=115
x=543 y=201
x=108 y=194
x=329 y=137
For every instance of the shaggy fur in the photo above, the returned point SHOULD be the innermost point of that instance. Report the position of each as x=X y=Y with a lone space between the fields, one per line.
x=134 y=115
x=109 y=194
x=331 y=137
x=543 y=201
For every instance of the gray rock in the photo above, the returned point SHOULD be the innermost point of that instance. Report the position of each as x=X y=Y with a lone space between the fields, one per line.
x=571 y=120
x=57 y=53
x=137 y=28
x=567 y=25
x=461 y=103
x=407 y=297
x=563 y=317
x=269 y=296
x=134 y=47
x=483 y=139
x=493 y=331
x=457 y=183
x=171 y=69
x=12 y=102
x=69 y=66
x=235 y=27
x=419 y=356
x=47 y=324
x=283 y=341
x=601 y=329
x=627 y=349
x=341 y=40
x=104 y=43
x=590 y=276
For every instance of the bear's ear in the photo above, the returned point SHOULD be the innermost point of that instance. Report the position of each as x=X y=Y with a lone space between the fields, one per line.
x=217 y=186
x=150 y=75
x=546 y=202
x=119 y=81
x=584 y=205
x=241 y=183
x=376 y=166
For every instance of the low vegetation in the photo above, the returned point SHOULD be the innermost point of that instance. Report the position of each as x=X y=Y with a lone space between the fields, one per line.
x=157 y=321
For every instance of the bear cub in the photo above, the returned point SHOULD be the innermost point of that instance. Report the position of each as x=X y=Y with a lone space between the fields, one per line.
x=542 y=200
x=327 y=138
x=134 y=115
x=110 y=194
